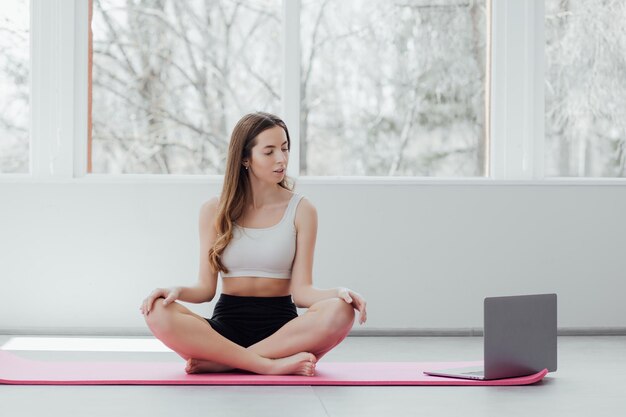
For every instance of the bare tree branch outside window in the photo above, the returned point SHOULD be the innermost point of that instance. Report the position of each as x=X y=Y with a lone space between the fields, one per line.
x=387 y=87
x=171 y=78
x=585 y=88
x=393 y=87
x=14 y=86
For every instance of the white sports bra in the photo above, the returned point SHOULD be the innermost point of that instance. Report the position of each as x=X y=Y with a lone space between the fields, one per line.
x=263 y=252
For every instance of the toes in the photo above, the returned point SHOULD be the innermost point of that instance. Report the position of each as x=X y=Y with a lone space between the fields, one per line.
x=309 y=369
x=190 y=366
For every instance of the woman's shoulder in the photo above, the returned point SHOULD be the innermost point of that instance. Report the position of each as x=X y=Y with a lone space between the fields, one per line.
x=305 y=211
x=301 y=200
x=210 y=206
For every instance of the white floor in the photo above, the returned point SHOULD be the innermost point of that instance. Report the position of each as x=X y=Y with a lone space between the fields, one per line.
x=590 y=381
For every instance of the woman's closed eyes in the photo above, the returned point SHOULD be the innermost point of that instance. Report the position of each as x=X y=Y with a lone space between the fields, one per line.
x=284 y=150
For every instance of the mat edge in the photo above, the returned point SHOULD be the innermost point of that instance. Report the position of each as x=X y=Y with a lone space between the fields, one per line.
x=532 y=379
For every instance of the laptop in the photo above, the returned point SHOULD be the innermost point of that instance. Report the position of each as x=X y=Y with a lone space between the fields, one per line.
x=519 y=338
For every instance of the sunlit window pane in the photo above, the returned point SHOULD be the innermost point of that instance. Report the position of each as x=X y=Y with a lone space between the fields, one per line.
x=393 y=87
x=171 y=78
x=14 y=86
x=585 y=88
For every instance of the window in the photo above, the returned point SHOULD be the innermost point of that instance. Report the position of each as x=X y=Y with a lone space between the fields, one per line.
x=386 y=88
x=585 y=88
x=171 y=78
x=14 y=86
x=393 y=88
x=369 y=88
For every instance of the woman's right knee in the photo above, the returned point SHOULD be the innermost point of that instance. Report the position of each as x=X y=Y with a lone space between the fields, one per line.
x=160 y=317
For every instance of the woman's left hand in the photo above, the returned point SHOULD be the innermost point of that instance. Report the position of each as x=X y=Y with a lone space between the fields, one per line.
x=356 y=300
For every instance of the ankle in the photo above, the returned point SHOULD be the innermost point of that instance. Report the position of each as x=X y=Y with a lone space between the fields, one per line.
x=266 y=365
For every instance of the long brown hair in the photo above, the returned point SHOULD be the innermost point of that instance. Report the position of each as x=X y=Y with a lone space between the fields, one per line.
x=236 y=191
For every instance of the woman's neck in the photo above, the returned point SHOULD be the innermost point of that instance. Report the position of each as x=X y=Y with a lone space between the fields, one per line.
x=266 y=196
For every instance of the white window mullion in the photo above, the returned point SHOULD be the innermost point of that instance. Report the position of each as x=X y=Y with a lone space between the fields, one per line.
x=291 y=81
x=538 y=102
x=81 y=63
x=52 y=80
x=39 y=117
x=517 y=104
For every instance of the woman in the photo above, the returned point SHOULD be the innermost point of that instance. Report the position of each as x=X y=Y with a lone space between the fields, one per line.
x=261 y=236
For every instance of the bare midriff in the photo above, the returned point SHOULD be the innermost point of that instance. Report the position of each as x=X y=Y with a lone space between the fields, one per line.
x=256 y=286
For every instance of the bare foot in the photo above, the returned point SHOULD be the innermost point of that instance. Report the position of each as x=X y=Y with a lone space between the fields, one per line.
x=199 y=366
x=299 y=364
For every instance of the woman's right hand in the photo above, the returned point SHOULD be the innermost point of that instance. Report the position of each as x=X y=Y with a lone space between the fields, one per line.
x=170 y=295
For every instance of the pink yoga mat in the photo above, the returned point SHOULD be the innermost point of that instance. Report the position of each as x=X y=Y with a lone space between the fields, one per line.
x=17 y=370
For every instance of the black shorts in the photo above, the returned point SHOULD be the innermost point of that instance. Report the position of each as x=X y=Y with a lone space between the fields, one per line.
x=248 y=320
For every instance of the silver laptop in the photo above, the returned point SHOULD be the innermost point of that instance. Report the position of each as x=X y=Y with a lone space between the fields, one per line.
x=519 y=338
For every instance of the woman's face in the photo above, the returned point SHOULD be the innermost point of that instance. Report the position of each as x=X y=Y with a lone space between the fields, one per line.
x=269 y=155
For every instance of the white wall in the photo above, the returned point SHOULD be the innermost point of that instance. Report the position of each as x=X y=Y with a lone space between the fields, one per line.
x=78 y=257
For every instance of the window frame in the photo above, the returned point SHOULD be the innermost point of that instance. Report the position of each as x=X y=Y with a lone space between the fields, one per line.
x=514 y=97
x=517 y=97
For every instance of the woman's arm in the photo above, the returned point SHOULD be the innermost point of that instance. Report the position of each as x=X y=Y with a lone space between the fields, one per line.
x=309 y=295
x=206 y=287
x=195 y=294
x=304 y=295
x=302 y=289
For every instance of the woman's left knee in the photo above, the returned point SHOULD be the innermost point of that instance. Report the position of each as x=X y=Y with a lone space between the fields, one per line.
x=339 y=316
